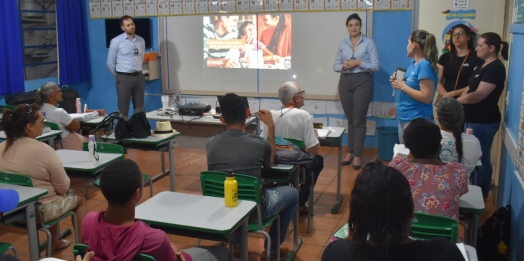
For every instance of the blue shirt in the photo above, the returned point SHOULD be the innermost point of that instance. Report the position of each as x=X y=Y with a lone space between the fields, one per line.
x=365 y=51
x=408 y=108
x=121 y=56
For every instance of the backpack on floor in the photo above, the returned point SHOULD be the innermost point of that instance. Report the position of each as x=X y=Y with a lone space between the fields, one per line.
x=69 y=96
x=494 y=235
x=139 y=125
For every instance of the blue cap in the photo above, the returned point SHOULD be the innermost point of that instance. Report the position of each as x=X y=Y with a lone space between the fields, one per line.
x=8 y=199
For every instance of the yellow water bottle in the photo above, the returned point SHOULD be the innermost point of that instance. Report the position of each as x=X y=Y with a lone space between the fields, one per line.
x=231 y=190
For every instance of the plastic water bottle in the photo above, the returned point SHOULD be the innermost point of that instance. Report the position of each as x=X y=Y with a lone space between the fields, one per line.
x=93 y=155
x=78 y=105
x=10 y=199
x=231 y=190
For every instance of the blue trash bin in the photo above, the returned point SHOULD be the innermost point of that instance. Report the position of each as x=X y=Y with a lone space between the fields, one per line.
x=386 y=139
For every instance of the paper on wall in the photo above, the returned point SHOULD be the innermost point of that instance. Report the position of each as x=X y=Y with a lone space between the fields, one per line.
x=385 y=110
x=315 y=106
x=371 y=127
x=334 y=107
x=337 y=122
x=271 y=104
x=254 y=104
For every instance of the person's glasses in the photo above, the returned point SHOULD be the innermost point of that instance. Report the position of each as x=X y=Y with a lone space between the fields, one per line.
x=301 y=94
x=29 y=112
x=43 y=122
x=458 y=34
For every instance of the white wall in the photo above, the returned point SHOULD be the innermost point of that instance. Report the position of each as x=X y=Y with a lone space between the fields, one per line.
x=489 y=16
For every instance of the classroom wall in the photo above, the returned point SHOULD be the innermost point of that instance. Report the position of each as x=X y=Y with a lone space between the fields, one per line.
x=511 y=186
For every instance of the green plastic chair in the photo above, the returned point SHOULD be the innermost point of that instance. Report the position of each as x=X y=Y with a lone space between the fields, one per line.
x=81 y=249
x=24 y=180
x=302 y=144
x=112 y=148
x=54 y=126
x=426 y=226
x=6 y=246
x=212 y=183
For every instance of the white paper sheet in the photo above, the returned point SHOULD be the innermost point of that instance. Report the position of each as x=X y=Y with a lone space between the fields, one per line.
x=271 y=104
x=371 y=127
x=336 y=122
x=254 y=104
x=334 y=107
x=315 y=106
x=322 y=133
x=387 y=110
x=401 y=150
x=463 y=251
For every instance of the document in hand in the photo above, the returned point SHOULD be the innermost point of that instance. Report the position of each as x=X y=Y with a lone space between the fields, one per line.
x=401 y=150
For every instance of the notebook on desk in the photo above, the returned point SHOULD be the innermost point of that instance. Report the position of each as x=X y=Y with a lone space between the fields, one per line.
x=323 y=133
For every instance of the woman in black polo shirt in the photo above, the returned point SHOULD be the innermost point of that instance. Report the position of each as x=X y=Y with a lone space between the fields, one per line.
x=480 y=100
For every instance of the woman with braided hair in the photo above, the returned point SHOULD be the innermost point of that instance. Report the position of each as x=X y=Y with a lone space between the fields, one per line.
x=457 y=146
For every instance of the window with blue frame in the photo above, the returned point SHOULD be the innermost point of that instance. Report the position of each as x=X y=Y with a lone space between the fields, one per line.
x=38 y=29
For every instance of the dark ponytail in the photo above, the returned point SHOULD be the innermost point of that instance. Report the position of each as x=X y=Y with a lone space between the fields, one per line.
x=495 y=40
x=428 y=44
x=15 y=121
x=279 y=29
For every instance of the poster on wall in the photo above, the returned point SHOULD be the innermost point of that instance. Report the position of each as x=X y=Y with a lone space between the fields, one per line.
x=458 y=16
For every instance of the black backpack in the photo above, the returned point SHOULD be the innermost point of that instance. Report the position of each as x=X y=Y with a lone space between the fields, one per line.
x=69 y=96
x=122 y=128
x=494 y=236
x=21 y=98
x=139 y=125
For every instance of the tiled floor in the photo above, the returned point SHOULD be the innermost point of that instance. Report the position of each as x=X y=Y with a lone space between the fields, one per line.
x=189 y=163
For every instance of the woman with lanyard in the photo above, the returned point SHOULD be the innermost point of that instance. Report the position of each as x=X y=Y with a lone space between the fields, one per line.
x=357 y=57
x=458 y=64
x=480 y=100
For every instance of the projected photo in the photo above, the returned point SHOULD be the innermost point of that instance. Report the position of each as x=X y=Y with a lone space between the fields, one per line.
x=260 y=41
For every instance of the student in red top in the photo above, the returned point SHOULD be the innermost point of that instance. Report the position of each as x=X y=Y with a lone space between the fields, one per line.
x=115 y=234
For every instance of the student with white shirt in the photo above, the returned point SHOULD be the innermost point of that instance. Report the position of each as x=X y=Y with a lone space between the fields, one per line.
x=48 y=97
x=295 y=123
x=457 y=146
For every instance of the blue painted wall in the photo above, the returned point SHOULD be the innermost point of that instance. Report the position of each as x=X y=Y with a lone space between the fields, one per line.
x=510 y=189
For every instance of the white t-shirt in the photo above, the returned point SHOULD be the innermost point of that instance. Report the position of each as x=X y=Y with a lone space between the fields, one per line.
x=58 y=116
x=295 y=124
x=470 y=148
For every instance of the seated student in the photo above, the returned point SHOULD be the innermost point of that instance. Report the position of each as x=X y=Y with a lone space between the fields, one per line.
x=48 y=97
x=22 y=153
x=436 y=186
x=381 y=212
x=293 y=122
x=115 y=234
x=247 y=154
x=457 y=146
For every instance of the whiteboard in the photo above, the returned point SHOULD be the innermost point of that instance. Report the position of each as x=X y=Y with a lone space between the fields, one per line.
x=315 y=39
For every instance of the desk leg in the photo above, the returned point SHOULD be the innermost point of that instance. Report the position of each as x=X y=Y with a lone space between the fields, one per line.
x=334 y=210
x=473 y=241
x=243 y=229
x=172 y=166
x=32 y=233
x=296 y=240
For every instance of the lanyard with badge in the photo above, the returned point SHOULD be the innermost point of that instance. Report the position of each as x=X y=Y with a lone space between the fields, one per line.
x=135 y=50
x=353 y=49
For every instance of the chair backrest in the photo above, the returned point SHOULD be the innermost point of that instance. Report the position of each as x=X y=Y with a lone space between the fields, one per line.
x=426 y=226
x=213 y=185
x=81 y=249
x=2 y=107
x=105 y=147
x=297 y=142
x=16 y=179
x=52 y=125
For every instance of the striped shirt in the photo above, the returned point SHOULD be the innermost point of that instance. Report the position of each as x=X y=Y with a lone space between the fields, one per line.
x=210 y=33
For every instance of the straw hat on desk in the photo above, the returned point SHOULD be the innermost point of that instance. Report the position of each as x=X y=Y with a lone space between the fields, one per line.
x=163 y=129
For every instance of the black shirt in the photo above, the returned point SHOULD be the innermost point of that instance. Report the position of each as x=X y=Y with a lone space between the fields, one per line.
x=451 y=69
x=437 y=249
x=487 y=110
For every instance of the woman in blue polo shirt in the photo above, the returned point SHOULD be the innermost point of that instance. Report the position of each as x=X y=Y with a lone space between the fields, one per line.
x=420 y=82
